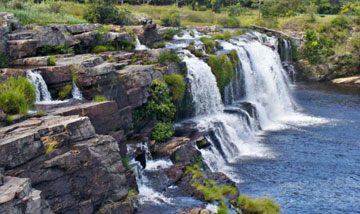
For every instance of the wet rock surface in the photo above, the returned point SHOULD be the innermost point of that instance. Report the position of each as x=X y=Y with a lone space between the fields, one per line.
x=196 y=211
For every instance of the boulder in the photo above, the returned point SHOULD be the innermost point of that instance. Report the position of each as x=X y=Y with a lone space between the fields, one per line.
x=186 y=154
x=104 y=121
x=17 y=196
x=150 y=34
x=171 y=146
x=175 y=172
x=8 y=23
x=196 y=211
x=22 y=48
x=347 y=80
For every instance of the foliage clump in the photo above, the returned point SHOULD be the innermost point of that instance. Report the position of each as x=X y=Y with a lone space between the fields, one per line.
x=4 y=61
x=256 y=206
x=52 y=61
x=107 y=13
x=170 y=33
x=162 y=131
x=100 y=98
x=209 y=45
x=223 y=70
x=316 y=47
x=230 y=22
x=169 y=56
x=177 y=86
x=17 y=95
x=65 y=92
x=171 y=19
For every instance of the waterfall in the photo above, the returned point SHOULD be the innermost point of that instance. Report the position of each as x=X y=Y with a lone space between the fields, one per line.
x=266 y=84
x=147 y=191
x=76 y=93
x=139 y=46
x=42 y=92
x=203 y=87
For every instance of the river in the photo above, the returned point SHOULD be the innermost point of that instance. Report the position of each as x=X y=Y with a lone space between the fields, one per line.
x=316 y=168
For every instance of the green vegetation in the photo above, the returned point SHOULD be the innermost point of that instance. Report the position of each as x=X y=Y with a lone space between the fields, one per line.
x=209 y=45
x=103 y=48
x=100 y=98
x=234 y=58
x=49 y=50
x=230 y=22
x=171 y=19
x=105 y=12
x=65 y=92
x=223 y=70
x=50 y=144
x=110 y=60
x=9 y=119
x=126 y=163
x=43 y=13
x=159 y=45
x=17 y=95
x=170 y=33
x=177 y=86
x=316 y=48
x=4 y=61
x=169 y=56
x=222 y=209
x=40 y=113
x=162 y=131
x=256 y=206
x=159 y=107
x=52 y=61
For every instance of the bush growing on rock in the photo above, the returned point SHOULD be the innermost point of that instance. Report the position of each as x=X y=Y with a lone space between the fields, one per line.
x=162 y=131
x=170 y=33
x=171 y=19
x=17 y=95
x=169 y=56
x=222 y=68
x=99 y=98
x=177 y=85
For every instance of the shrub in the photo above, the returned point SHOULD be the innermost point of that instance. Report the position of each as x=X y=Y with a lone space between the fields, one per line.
x=230 y=22
x=108 y=14
x=316 y=47
x=17 y=95
x=256 y=206
x=169 y=56
x=159 y=45
x=222 y=209
x=223 y=70
x=4 y=61
x=234 y=58
x=103 y=48
x=177 y=85
x=65 y=92
x=159 y=105
x=199 y=53
x=171 y=19
x=170 y=33
x=162 y=131
x=52 y=61
x=209 y=45
x=99 y=98
x=55 y=7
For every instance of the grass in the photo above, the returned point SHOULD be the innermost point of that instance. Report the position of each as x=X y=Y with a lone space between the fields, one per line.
x=65 y=92
x=9 y=119
x=41 y=13
x=17 y=95
x=50 y=144
x=126 y=163
x=52 y=61
x=256 y=206
x=169 y=56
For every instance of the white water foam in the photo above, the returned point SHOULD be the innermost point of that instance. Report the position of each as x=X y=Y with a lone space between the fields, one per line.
x=139 y=46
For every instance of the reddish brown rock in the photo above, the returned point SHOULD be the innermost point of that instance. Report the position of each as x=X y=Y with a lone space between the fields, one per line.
x=175 y=172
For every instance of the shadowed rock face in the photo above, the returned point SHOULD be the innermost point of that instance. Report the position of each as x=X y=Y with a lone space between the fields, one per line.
x=76 y=170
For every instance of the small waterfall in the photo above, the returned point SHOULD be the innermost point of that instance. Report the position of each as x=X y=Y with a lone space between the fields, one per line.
x=147 y=192
x=42 y=92
x=139 y=46
x=76 y=93
x=286 y=58
x=203 y=87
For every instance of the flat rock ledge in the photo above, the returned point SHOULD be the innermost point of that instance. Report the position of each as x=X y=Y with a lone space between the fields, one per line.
x=62 y=157
x=347 y=80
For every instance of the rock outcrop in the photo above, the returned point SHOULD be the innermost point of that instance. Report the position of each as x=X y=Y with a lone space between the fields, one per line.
x=196 y=211
x=77 y=170
x=17 y=196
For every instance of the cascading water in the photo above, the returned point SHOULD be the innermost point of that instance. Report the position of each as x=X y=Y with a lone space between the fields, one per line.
x=42 y=92
x=139 y=46
x=76 y=93
x=43 y=95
